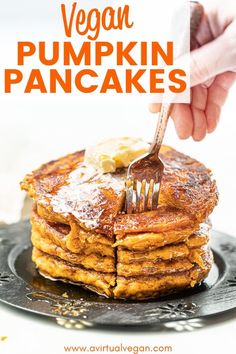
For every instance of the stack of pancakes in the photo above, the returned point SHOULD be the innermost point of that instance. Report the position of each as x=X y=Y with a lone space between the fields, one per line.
x=80 y=233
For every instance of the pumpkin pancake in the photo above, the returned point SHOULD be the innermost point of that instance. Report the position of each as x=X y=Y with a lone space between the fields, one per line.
x=81 y=233
x=171 y=251
x=187 y=184
x=56 y=268
x=91 y=261
x=145 y=287
x=69 y=189
x=72 y=237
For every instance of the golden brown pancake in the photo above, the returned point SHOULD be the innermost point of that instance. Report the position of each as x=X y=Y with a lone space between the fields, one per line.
x=141 y=287
x=150 y=240
x=91 y=261
x=174 y=251
x=81 y=234
x=58 y=269
x=149 y=268
x=68 y=189
x=187 y=184
x=72 y=237
x=180 y=250
x=163 y=220
x=169 y=277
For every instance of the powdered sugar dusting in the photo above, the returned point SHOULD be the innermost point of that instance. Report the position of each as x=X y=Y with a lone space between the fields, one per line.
x=84 y=195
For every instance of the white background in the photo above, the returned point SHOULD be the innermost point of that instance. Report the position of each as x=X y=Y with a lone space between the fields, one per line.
x=35 y=130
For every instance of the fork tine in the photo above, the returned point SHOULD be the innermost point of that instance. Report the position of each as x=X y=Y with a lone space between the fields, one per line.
x=134 y=196
x=138 y=188
x=149 y=197
x=146 y=196
x=142 y=199
x=129 y=196
x=155 y=194
x=141 y=196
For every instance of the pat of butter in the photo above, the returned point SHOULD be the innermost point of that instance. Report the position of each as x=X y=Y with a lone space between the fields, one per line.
x=115 y=153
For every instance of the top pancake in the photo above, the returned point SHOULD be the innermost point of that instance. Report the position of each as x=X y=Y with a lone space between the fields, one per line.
x=187 y=184
x=67 y=189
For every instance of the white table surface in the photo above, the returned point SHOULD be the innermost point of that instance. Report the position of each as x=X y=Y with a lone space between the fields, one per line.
x=29 y=334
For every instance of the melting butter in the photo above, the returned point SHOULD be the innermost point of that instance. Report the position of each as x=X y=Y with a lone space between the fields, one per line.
x=115 y=153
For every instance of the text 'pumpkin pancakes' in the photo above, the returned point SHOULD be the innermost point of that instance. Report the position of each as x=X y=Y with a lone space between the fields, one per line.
x=80 y=233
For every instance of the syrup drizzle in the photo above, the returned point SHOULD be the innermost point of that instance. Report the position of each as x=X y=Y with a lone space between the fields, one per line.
x=84 y=195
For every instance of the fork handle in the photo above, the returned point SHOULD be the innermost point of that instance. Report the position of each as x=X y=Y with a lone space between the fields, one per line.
x=196 y=15
x=161 y=128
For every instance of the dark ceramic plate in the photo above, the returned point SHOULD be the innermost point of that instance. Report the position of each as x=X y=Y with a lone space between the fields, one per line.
x=21 y=286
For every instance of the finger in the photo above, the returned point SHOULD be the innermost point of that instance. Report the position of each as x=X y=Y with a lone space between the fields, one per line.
x=217 y=94
x=207 y=61
x=204 y=33
x=226 y=80
x=200 y=125
x=155 y=107
x=182 y=117
x=183 y=120
x=198 y=105
x=213 y=115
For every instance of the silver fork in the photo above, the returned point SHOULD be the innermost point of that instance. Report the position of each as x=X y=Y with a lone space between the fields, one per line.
x=145 y=173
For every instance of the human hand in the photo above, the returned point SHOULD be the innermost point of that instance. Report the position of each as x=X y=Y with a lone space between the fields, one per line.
x=213 y=72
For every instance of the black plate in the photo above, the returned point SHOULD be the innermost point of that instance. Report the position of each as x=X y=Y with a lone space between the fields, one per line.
x=21 y=286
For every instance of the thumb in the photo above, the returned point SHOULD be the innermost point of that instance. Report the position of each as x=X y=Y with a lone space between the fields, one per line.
x=208 y=61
